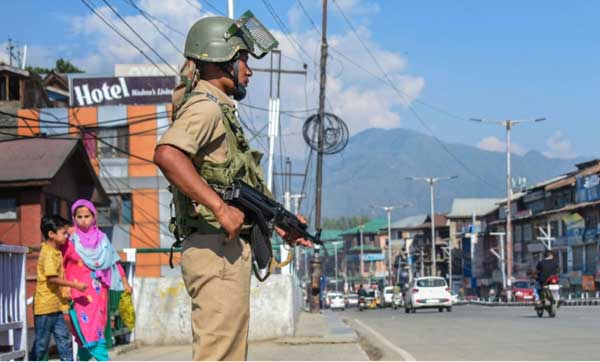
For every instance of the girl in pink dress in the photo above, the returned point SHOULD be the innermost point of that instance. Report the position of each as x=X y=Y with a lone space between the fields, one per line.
x=90 y=258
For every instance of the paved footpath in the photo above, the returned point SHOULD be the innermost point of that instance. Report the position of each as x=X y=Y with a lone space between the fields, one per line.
x=318 y=337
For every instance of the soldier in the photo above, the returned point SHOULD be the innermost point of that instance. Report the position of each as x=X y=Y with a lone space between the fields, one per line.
x=205 y=146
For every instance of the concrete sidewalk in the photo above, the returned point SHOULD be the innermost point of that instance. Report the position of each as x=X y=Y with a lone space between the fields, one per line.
x=318 y=337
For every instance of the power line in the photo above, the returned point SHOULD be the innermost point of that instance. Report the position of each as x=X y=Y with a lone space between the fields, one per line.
x=287 y=111
x=132 y=3
x=210 y=5
x=297 y=47
x=139 y=36
x=417 y=116
x=110 y=25
x=165 y=24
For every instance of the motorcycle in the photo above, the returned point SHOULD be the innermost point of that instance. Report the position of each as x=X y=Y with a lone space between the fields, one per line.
x=362 y=305
x=549 y=297
x=397 y=301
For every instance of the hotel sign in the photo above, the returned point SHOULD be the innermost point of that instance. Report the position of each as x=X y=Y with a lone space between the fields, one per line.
x=94 y=91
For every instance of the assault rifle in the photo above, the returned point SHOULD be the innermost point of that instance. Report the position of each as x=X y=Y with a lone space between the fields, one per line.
x=265 y=214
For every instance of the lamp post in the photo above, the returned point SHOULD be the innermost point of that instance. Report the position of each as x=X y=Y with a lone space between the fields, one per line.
x=388 y=210
x=432 y=181
x=508 y=124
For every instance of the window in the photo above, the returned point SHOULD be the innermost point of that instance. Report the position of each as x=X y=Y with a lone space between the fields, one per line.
x=3 y=89
x=590 y=258
x=518 y=231
x=113 y=138
x=8 y=208
x=554 y=228
x=578 y=258
x=527 y=232
x=564 y=261
x=52 y=206
x=431 y=283
x=13 y=89
x=119 y=211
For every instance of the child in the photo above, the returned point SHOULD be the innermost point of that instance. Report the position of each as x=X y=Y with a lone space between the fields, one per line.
x=91 y=259
x=48 y=301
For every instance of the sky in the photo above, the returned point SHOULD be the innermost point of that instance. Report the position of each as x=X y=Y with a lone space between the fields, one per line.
x=447 y=62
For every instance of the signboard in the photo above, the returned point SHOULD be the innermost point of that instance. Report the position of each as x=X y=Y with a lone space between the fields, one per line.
x=91 y=91
x=373 y=257
x=587 y=283
x=575 y=227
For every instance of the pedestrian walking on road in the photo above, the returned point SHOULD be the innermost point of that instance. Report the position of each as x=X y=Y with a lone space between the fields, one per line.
x=205 y=145
x=50 y=301
x=90 y=258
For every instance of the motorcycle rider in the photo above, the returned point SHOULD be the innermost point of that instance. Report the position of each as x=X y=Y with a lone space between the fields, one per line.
x=362 y=292
x=545 y=268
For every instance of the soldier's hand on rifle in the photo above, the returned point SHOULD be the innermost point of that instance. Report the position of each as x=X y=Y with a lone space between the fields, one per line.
x=231 y=219
x=294 y=239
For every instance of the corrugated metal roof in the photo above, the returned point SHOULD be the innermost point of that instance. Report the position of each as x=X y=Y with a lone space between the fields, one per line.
x=34 y=159
x=371 y=227
x=331 y=235
x=409 y=222
x=467 y=207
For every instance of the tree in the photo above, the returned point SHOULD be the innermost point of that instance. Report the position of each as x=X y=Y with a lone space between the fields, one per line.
x=344 y=222
x=65 y=66
x=61 y=66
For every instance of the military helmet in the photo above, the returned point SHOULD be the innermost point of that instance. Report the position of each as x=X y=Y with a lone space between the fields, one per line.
x=218 y=39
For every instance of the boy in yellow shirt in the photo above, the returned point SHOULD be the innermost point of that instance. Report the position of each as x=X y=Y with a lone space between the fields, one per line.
x=49 y=302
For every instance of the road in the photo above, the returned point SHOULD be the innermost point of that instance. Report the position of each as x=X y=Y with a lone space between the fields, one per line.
x=481 y=333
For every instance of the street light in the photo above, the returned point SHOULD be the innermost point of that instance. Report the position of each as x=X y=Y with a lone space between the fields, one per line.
x=508 y=124
x=335 y=248
x=388 y=210
x=362 y=263
x=432 y=181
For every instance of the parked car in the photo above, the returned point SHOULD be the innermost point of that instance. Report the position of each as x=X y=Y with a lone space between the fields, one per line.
x=388 y=295
x=522 y=291
x=336 y=301
x=453 y=297
x=352 y=300
x=427 y=292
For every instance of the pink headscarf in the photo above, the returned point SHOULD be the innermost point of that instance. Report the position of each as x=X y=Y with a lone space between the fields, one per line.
x=91 y=238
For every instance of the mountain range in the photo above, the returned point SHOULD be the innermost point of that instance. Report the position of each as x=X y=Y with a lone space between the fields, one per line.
x=373 y=168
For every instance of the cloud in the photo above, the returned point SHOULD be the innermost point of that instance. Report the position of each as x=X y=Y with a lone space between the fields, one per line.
x=107 y=48
x=559 y=146
x=494 y=144
x=359 y=98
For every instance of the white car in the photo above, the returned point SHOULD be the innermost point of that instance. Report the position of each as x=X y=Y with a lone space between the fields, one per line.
x=388 y=295
x=427 y=292
x=336 y=301
x=352 y=300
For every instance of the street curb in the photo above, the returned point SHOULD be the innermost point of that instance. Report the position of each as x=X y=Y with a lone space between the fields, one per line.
x=565 y=303
x=124 y=348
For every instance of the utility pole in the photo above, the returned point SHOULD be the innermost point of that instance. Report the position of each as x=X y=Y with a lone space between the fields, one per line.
x=432 y=181
x=388 y=210
x=230 y=14
x=508 y=124
x=501 y=257
x=10 y=48
x=274 y=108
x=316 y=263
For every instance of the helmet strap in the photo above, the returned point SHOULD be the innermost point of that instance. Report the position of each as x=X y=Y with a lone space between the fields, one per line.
x=239 y=91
